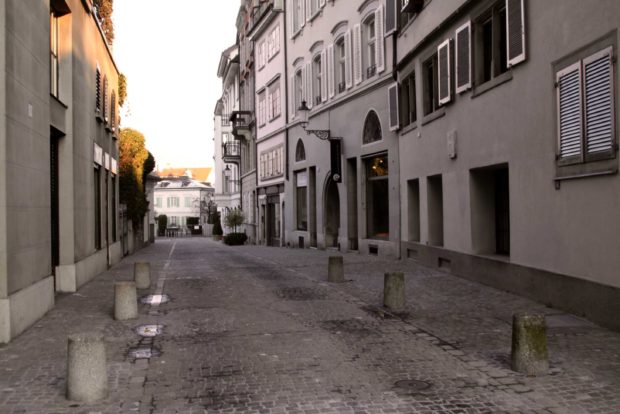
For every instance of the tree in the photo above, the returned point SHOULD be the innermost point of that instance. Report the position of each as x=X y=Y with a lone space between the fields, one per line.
x=122 y=89
x=132 y=163
x=105 y=8
x=234 y=219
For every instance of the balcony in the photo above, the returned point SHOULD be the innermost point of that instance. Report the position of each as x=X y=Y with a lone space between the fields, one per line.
x=242 y=122
x=226 y=120
x=231 y=152
x=371 y=71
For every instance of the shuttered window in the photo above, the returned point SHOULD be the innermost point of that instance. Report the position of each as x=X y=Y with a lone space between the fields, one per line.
x=586 y=110
x=393 y=107
x=357 y=53
x=330 y=71
x=98 y=91
x=348 y=57
x=463 y=57
x=515 y=29
x=309 y=91
x=443 y=58
x=391 y=16
x=379 y=39
x=324 y=76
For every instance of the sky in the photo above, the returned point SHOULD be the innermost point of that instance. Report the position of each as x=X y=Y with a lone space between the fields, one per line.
x=169 y=52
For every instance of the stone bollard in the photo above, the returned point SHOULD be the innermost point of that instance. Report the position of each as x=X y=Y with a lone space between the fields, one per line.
x=394 y=291
x=142 y=275
x=87 y=377
x=335 y=269
x=529 y=344
x=125 y=301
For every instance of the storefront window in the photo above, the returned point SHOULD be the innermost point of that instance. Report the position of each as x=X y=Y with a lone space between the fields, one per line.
x=377 y=197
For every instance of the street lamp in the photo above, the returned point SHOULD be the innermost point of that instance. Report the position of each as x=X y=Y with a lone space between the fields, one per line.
x=335 y=143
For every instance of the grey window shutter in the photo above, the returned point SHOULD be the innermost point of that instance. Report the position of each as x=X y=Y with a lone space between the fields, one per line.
x=289 y=11
x=330 y=70
x=98 y=90
x=569 y=112
x=598 y=105
x=443 y=62
x=308 y=9
x=309 y=82
x=324 y=76
x=357 y=53
x=463 y=57
x=391 y=16
x=393 y=106
x=348 y=58
x=302 y=13
x=515 y=31
x=380 y=35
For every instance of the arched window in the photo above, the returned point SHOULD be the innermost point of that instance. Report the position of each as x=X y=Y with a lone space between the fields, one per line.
x=372 y=128
x=300 y=152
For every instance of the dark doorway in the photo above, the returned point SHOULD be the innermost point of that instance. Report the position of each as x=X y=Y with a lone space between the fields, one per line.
x=273 y=220
x=54 y=200
x=352 y=203
x=502 y=212
x=332 y=214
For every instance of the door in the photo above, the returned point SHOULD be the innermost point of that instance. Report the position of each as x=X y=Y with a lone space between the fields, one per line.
x=54 y=191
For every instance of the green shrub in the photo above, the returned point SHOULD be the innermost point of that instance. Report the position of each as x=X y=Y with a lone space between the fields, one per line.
x=235 y=239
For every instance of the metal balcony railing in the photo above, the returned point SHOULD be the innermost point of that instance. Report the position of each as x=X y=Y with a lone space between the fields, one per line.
x=226 y=120
x=341 y=87
x=371 y=71
x=241 y=121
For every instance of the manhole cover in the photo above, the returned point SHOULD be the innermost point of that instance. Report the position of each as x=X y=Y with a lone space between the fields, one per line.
x=149 y=331
x=154 y=299
x=412 y=385
x=301 y=293
x=144 y=353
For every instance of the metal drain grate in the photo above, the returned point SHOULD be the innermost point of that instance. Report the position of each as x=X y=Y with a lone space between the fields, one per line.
x=412 y=385
x=149 y=331
x=144 y=353
x=154 y=299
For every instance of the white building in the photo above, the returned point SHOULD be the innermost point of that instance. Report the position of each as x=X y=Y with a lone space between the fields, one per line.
x=227 y=151
x=268 y=35
x=182 y=199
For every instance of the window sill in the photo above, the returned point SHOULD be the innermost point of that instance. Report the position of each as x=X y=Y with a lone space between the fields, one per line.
x=408 y=128
x=57 y=99
x=587 y=170
x=487 y=86
x=434 y=115
x=297 y=33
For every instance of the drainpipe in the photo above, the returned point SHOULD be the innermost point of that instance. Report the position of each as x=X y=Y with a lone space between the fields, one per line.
x=399 y=254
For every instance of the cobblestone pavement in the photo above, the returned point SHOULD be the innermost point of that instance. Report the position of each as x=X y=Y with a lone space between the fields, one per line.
x=258 y=330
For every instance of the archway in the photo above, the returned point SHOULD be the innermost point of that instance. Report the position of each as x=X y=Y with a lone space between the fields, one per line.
x=331 y=213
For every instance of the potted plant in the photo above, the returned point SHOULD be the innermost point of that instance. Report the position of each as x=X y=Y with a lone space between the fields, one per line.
x=235 y=219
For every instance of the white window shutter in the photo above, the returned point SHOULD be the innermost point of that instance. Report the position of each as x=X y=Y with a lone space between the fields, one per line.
x=322 y=3
x=309 y=91
x=570 y=125
x=330 y=71
x=380 y=36
x=348 y=58
x=463 y=57
x=308 y=10
x=324 y=76
x=599 y=102
x=391 y=16
x=393 y=107
x=304 y=85
x=357 y=53
x=515 y=31
x=443 y=63
x=291 y=97
x=290 y=9
x=302 y=15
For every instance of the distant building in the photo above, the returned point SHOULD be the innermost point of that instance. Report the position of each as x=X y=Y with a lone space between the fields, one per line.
x=59 y=120
x=200 y=174
x=181 y=199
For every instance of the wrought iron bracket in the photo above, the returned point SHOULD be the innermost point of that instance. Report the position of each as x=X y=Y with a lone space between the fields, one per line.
x=322 y=134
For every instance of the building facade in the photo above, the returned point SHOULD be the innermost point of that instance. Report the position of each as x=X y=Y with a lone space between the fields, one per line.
x=267 y=34
x=509 y=147
x=58 y=170
x=183 y=201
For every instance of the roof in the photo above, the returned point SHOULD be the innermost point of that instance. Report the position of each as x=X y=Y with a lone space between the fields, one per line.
x=180 y=184
x=198 y=174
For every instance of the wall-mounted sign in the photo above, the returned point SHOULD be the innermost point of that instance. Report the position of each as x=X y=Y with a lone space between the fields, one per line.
x=107 y=161
x=302 y=179
x=113 y=166
x=98 y=156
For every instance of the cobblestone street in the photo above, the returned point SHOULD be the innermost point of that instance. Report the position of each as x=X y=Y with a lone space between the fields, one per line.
x=258 y=330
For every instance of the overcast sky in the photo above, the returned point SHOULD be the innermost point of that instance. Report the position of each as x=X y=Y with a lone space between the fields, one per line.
x=169 y=52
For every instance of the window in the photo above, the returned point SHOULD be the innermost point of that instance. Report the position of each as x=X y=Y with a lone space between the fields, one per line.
x=98 y=93
x=274 y=100
x=314 y=7
x=260 y=50
x=299 y=89
x=371 y=45
x=491 y=58
x=113 y=111
x=300 y=151
x=297 y=17
x=262 y=118
x=430 y=85
x=188 y=201
x=586 y=119
x=158 y=202
x=407 y=100
x=54 y=73
x=104 y=97
x=173 y=201
x=377 y=197
x=301 y=200
x=273 y=41
x=97 y=209
x=372 y=128
x=271 y=163
x=341 y=65
x=317 y=80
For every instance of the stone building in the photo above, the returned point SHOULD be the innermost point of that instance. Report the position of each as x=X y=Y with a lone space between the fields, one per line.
x=59 y=152
x=507 y=122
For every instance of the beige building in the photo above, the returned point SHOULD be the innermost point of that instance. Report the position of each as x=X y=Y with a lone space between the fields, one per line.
x=58 y=162
x=507 y=123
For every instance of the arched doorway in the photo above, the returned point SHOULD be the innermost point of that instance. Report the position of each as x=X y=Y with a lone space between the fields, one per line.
x=332 y=213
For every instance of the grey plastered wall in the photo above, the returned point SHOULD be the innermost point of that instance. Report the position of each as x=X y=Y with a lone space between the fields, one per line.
x=27 y=144
x=571 y=231
x=3 y=119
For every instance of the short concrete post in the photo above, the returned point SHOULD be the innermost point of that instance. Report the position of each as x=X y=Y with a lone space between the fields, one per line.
x=335 y=269
x=87 y=378
x=394 y=291
x=529 y=344
x=142 y=275
x=125 y=301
